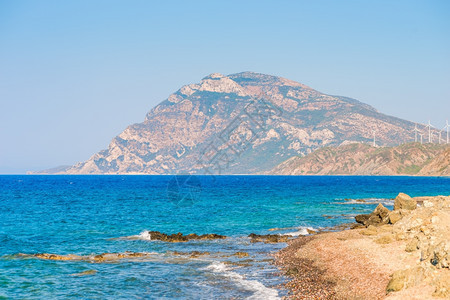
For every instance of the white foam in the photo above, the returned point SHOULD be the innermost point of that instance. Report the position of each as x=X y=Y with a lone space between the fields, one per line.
x=302 y=231
x=383 y=201
x=260 y=291
x=144 y=235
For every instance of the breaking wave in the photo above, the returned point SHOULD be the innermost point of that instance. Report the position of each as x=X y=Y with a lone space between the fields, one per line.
x=260 y=291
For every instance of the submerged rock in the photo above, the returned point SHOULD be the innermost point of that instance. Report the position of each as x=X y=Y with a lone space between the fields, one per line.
x=268 y=238
x=85 y=273
x=104 y=257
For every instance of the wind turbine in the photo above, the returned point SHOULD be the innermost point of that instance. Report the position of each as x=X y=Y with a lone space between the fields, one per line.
x=421 y=138
x=429 y=131
x=446 y=127
x=416 y=131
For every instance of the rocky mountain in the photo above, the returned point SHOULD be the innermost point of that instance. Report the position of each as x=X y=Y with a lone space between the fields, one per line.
x=242 y=123
x=363 y=159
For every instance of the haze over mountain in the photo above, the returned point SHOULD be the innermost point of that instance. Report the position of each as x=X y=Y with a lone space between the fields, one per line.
x=243 y=123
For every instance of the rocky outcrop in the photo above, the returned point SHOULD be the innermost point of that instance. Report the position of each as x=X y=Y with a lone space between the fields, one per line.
x=179 y=237
x=403 y=201
x=363 y=159
x=268 y=238
x=245 y=118
x=104 y=257
x=378 y=217
x=425 y=229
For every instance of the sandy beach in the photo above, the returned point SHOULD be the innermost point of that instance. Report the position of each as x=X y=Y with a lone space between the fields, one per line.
x=398 y=254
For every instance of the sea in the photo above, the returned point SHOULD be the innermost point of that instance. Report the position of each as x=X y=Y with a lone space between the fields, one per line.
x=90 y=215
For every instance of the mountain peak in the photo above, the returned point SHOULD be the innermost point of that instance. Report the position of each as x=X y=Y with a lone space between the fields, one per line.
x=215 y=113
x=213 y=76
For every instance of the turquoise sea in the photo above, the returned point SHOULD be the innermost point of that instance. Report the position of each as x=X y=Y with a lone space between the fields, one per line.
x=89 y=215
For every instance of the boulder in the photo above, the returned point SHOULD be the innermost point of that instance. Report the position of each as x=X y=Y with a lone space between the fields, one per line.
x=394 y=216
x=362 y=219
x=403 y=279
x=403 y=201
x=378 y=217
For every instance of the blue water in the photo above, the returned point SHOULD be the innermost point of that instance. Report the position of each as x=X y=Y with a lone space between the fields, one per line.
x=86 y=215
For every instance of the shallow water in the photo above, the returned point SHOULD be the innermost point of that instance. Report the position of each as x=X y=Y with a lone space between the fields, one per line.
x=88 y=215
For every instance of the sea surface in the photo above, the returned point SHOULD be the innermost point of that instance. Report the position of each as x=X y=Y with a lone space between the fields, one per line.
x=90 y=215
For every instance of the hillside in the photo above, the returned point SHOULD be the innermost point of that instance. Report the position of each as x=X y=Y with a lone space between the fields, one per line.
x=242 y=123
x=363 y=159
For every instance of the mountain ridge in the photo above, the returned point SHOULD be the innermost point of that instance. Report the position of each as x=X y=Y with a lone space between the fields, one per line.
x=363 y=159
x=294 y=119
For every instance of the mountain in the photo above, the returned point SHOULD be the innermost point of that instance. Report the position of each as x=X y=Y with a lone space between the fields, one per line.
x=242 y=123
x=363 y=159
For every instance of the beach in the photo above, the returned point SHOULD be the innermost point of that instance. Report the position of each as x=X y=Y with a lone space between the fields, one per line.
x=392 y=254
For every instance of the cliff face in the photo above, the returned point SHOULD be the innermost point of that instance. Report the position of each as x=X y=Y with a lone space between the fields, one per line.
x=241 y=123
x=363 y=159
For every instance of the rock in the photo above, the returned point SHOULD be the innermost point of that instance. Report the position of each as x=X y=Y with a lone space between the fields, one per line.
x=85 y=273
x=403 y=201
x=394 y=216
x=104 y=257
x=179 y=237
x=268 y=238
x=442 y=284
x=378 y=217
x=427 y=204
x=311 y=231
x=241 y=254
x=371 y=230
x=403 y=279
x=385 y=239
x=412 y=245
x=440 y=255
x=362 y=219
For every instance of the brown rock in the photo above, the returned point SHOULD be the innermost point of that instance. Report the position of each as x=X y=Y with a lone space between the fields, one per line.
x=378 y=217
x=412 y=245
x=371 y=230
x=179 y=237
x=241 y=254
x=403 y=279
x=394 y=216
x=442 y=284
x=385 y=239
x=268 y=238
x=403 y=201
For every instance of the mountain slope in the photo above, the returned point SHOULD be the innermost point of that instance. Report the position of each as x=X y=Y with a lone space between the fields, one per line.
x=363 y=159
x=241 y=123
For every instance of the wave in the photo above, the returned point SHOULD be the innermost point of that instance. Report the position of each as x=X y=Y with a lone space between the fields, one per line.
x=384 y=201
x=301 y=231
x=260 y=291
x=144 y=235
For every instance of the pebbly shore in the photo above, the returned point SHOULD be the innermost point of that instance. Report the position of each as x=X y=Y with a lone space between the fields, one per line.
x=402 y=253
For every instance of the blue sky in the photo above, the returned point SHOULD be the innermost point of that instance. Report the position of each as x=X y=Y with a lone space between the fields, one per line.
x=73 y=74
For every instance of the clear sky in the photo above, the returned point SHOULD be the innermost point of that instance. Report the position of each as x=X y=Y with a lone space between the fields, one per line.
x=73 y=74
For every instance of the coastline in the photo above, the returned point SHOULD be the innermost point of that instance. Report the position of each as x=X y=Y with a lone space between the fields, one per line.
x=403 y=254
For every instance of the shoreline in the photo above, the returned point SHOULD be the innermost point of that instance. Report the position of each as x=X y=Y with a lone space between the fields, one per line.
x=399 y=254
